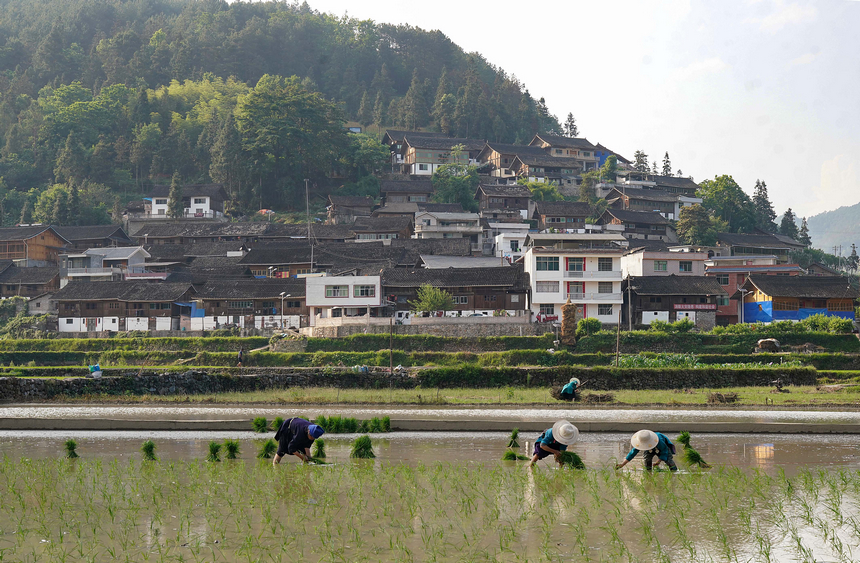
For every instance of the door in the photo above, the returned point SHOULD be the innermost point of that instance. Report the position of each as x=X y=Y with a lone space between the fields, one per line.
x=575 y=288
x=92 y=325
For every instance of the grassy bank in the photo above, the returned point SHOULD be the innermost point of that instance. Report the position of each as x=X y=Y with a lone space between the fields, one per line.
x=798 y=396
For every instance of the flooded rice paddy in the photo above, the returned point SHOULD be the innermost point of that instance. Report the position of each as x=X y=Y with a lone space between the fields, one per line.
x=426 y=497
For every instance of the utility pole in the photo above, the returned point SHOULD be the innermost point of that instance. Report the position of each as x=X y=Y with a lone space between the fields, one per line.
x=308 y=213
x=629 y=304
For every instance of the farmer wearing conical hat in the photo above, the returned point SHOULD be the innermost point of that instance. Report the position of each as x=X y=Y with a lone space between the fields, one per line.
x=569 y=391
x=651 y=444
x=554 y=441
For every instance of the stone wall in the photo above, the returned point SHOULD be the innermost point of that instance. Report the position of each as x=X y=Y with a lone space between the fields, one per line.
x=453 y=330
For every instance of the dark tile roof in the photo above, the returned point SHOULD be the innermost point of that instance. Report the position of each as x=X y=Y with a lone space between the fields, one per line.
x=512 y=278
x=180 y=252
x=646 y=217
x=524 y=150
x=437 y=246
x=35 y=276
x=755 y=240
x=442 y=143
x=813 y=287
x=215 y=263
x=406 y=186
x=4 y=264
x=505 y=190
x=647 y=245
x=122 y=291
x=676 y=285
x=24 y=233
x=562 y=208
x=547 y=161
x=639 y=193
x=189 y=229
x=565 y=142
x=277 y=254
x=331 y=255
x=392 y=224
x=214 y=191
x=253 y=289
x=620 y=158
x=675 y=182
x=350 y=201
x=441 y=207
x=397 y=135
x=87 y=232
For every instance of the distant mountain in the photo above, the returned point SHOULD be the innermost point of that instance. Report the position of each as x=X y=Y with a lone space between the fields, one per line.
x=838 y=227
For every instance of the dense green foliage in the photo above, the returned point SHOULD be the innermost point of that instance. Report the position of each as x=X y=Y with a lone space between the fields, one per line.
x=427 y=343
x=99 y=98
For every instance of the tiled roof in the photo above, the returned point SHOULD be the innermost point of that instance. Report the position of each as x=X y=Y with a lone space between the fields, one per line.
x=565 y=142
x=381 y=224
x=117 y=252
x=86 y=232
x=647 y=195
x=350 y=201
x=646 y=217
x=647 y=245
x=563 y=208
x=755 y=240
x=168 y=229
x=676 y=285
x=409 y=208
x=505 y=190
x=406 y=186
x=502 y=148
x=442 y=143
x=214 y=191
x=397 y=135
x=620 y=158
x=675 y=182
x=36 y=276
x=441 y=207
x=547 y=161
x=122 y=291
x=253 y=289
x=512 y=278
x=813 y=287
x=24 y=233
x=438 y=246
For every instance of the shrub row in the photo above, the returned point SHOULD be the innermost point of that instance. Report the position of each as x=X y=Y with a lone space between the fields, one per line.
x=186 y=344
x=428 y=343
x=633 y=342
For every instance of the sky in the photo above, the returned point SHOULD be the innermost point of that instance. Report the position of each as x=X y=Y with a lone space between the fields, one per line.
x=757 y=89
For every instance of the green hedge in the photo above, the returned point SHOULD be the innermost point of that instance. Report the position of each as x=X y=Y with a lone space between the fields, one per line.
x=185 y=344
x=428 y=343
x=636 y=341
x=613 y=379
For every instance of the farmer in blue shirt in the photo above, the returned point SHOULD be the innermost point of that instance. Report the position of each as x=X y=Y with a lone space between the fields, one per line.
x=295 y=437
x=569 y=391
x=651 y=444
x=554 y=441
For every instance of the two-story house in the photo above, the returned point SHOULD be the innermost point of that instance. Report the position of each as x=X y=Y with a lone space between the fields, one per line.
x=94 y=236
x=545 y=168
x=382 y=228
x=406 y=191
x=580 y=150
x=450 y=225
x=337 y=300
x=671 y=298
x=393 y=139
x=639 y=199
x=269 y=303
x=731 y=272
x=560 y=214
x=647 y=225
x=199 y=201
x=503 y=202
x=31 y=245
x=102 y=264
x=28 y=282
x=499 y=157
x=423 y=155
x=780 y=298
x=344 y=209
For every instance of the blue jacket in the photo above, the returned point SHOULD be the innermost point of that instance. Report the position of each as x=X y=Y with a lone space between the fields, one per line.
x=547 y=438
x=662 y=449
x=569 y=389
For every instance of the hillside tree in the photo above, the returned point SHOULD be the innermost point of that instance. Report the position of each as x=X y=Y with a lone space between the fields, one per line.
x=570 y=128
x=765 y=216
x=667 y=165
x=175 y=207
x=640 y=161
x=788 y=224
x=726 y=201
x=803 y=233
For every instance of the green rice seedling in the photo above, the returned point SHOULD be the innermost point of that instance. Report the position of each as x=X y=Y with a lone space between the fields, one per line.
x=375 y=425
x=511 y=455
x=692 y=457
x=684 y=438
x=321 y=421
x=276 y=424
x=386 y=424
x=571 y=459
x=260 y=424
x=362 y=448
x=71 y=445
x=319 y=448
x=267 y=449
x=350 y=425
x=214 y=452
x=232 y=449
x=148 y=450
x=364 y=426
x=512 y=443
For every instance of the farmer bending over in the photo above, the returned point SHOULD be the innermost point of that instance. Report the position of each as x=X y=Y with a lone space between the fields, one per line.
x=651 y=444
x=554 y=441
x=295 y=437
x=570 y=392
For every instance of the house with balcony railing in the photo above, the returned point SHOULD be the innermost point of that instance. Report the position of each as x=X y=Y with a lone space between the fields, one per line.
x=199 y=201
x=450 y=225
x=102 y=264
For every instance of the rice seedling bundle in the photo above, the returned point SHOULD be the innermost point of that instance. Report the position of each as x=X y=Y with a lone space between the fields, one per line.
x=214 y=452
x=148 y=451
x=690 y=455
x=362 y=448
x=386 y=423
x=260 y=425
x=512 y=443
x=267 y=449
x=71 y=445
x=231 y=448
x=319 y=448
x=276 y=424
x=511 y=455
x=571 y=459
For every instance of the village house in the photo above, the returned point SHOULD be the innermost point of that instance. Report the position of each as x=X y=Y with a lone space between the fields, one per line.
x=450 y=225
x=261 y=304
x=103 y=264
x=793 y=298
x=671 y=298
x=757 y=244
x=643 y=261
x=499 y=158
x=338 y=300
x=94 y=236
x=580 y=151
x=603 y=153
x=199 y=201
x=393 y=139
x=560 y=214
x=508 y=239
x=639 y=224
x=121 y=306
x=637 y=199
x=545 y=168
x=28 y=282
x=423 y=155
x=503 y=202
x=344 y=209
x=405 y=191
x=382 y=228
x=31 y=245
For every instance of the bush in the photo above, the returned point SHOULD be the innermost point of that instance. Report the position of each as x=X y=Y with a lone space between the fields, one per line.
x=587 y=327
x=682 y=326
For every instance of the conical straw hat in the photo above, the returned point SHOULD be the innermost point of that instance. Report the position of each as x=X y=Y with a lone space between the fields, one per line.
x=565 y=433
x=644 y=440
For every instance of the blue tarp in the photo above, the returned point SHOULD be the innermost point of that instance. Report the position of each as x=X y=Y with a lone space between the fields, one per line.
x=762 y=312
x=195 y=312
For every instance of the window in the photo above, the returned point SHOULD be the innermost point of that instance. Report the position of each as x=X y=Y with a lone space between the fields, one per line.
x=661 y=265
x=10 y=287
x=364 y=291
x=69 y=321
x=515 y=298
x=546 y=287
x=604 y=264
x=160 y=202
x=90 y=306
x=722 y=301
x=292 y=304
x=113 y=305
x=199 y=200
x=604 y=287
x=685 y=266
x=268 y=304
x=461 y=300
x=240 y=304
x=604 y=309
x=547 y=309
x=153 y=305
x=337 y=291
x=575 y=220
x=575 y=264
x=547 y=263
x=489 y=297
x=557 y=151
x=423 y=166
x=723 y=279
x=655 y=300
x=840 y=306
x=555 y=219
x=515 y=246
x=586 y=153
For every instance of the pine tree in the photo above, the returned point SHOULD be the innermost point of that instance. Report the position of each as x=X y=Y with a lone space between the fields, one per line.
x=679 y=174
x=570 y=128
x=60 y=215
x=803 y=235
x=667 y=165
x=765 y=216
x=640 y=161
x=788 y=225
x=175 y=208
x=414 y=107
x=853 y=259
x=74 y=206
x=365 y=111
x=379 y=111
x=26 y=213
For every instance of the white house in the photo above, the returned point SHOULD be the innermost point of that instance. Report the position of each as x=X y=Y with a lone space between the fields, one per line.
x=199 y=201
x=338 y=300
x=450 y=225
x=102 y=264
x=645 y=262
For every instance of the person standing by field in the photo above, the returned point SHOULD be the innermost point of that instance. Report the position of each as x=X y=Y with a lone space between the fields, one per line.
x=240 y=356
x=295 y=437
x=651 y=444
x=554 y=441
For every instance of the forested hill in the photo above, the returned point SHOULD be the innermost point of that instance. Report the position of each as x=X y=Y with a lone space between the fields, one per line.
x=837 y=227
x=102 y=97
